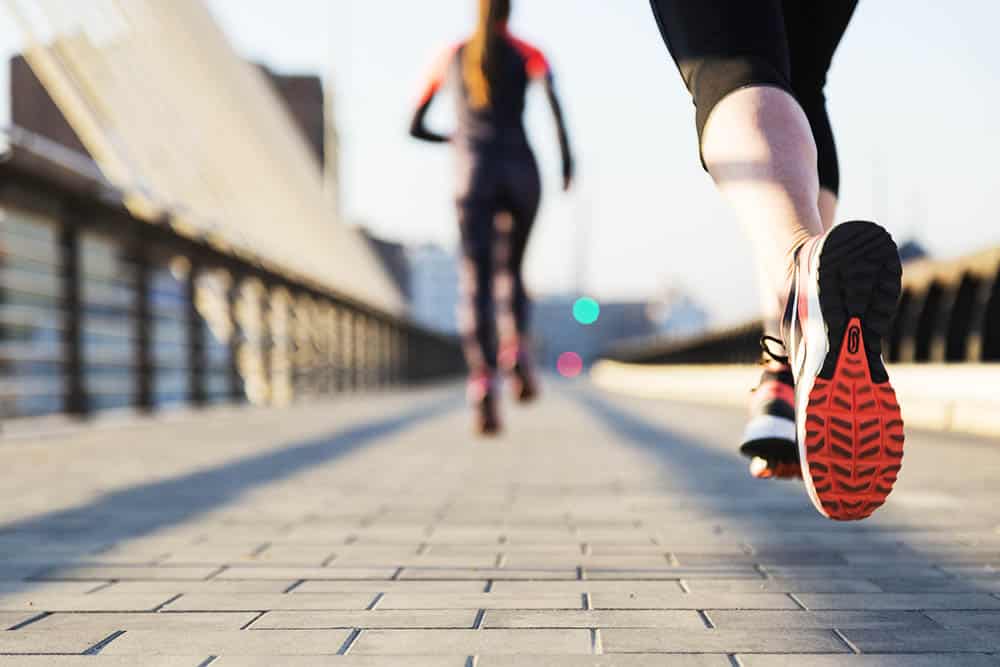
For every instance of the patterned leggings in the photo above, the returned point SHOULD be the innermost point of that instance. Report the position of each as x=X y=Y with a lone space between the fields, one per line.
x=497 y=201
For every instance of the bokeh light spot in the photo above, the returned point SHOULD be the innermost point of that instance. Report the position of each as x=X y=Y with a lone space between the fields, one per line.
x=569 y=364
x=586 y=310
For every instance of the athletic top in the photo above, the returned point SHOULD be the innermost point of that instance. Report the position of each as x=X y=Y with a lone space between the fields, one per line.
x=498 y=123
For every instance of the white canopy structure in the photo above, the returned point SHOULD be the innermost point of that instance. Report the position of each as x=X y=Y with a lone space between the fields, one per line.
x=185 y=127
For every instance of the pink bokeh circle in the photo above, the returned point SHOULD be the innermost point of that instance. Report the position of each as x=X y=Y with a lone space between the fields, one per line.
x=569 y=364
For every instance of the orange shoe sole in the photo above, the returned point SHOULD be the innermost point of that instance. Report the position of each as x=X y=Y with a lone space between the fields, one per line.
x=853 y=426
x=854 y=435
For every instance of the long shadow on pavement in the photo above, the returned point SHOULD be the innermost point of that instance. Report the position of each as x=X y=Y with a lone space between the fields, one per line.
x=144 y=509
x=717 y=485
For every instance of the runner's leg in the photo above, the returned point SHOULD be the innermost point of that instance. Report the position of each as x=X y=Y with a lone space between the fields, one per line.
x=476 y=211
x=755 y=138
x=525 y=195
x=814 y=30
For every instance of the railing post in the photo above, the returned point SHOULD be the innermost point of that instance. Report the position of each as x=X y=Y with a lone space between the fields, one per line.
x=236 y=393
x=142 y=327
x=394 y=355
x=979 y=318
x=196 y=339
x=378 y=358
x=357 y=351
x=345 y=329
x=75 y=401
x=265 y=343
x=405 y=336
x=989 y=345
x=332 y=344
x=375 y=353
x=336 y=348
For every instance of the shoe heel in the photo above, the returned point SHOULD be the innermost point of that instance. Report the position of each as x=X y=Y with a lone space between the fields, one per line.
x=859 y=277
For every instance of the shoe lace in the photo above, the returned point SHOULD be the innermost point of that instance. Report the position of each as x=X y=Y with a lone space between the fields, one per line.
x=768 y=352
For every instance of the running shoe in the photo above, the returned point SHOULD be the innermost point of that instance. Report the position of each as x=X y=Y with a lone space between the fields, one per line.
x=845 y=286
x=769 y=437
x=482 y=395
x=524 y=385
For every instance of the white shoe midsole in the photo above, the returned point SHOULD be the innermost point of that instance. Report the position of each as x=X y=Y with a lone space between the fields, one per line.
x=817 y=346
x=769 y=427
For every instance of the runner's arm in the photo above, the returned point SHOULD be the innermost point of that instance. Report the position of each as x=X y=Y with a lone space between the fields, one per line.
x=418 y=125
x=564 y=147
x=538 y=69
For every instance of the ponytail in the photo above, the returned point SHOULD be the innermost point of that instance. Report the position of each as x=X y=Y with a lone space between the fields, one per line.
x=480 y=53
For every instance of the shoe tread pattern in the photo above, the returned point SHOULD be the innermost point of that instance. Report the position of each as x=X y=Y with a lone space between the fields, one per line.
x=854 y=426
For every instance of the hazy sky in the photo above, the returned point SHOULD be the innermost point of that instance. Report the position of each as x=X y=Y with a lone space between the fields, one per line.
x=913 y=95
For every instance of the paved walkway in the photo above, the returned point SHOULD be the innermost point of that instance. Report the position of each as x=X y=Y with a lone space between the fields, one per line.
x=600 y=531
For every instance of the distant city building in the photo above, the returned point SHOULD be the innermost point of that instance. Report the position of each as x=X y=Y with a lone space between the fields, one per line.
x=911 y=250
x=555 y=331
x=433 y=289
x=677 y=314
x=303 y=98
x=32 y=109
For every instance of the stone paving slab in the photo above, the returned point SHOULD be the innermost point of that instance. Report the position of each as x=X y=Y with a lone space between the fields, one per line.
x=855 y=572
x=269 y=601
x=747 y=572
x=766 y=621
x=587 y=586
x=623 y=660
x=211 y=586
x=781 y=586
x=49 y=587
x=899 y=660
x=285 y=573
x=379 y=618
x=51 y=641
x=470 y=642
x=168 y=622
x=692 y=601
x=480 y=601
x=100 y=661
x=767 y=560
x=65 y=602
x=900 y=601
x=344 y=661
x=528 y=562
x=119 y=572
x=232 y=642
x=966 y=619
x=991 y=571
x=293 y=556
x=470 y=561
x=562 y=618
x=922 y=641
x=9 y=619
x=489 y=573
x=942 y=585
x=721 y=641
x=397 y=586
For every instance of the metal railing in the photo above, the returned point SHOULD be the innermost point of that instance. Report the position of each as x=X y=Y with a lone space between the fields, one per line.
x=100 y=309
x=949 y=311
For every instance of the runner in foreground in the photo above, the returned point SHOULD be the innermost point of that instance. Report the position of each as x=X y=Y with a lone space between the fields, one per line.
x=498 y=195
x=824 y=408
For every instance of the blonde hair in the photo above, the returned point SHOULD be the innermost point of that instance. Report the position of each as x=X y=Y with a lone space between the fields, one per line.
x=479 y=54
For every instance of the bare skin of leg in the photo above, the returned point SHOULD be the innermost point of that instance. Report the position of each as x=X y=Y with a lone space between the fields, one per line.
x=827 y=208
x=760 y=151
